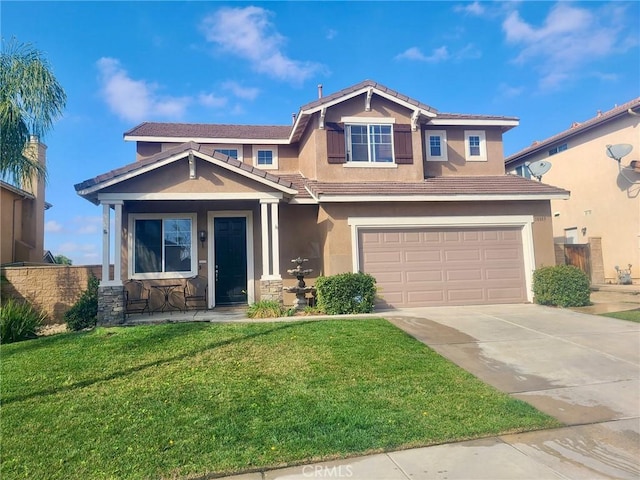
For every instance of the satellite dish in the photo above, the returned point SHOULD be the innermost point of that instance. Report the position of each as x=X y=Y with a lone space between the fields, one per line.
x=539 y=168
x=618 y=151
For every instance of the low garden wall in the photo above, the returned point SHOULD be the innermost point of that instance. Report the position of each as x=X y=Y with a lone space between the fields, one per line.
x=53 y=289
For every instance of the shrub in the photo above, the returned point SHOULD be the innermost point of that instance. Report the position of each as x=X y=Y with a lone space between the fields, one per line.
x=84 y=313
x=562 y=285
x=19 y=321
x=268 y=309
x=346 y=293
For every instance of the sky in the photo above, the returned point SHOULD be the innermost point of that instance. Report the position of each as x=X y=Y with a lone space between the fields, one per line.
x=123 y=63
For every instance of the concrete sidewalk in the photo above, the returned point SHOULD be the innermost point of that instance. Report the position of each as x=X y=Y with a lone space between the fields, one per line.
x=582 y=369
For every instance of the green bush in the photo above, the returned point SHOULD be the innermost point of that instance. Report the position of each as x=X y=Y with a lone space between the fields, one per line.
x=84 y=313
x=346 y=293
x=19 y=321
x=268 y=309
x=562 y=285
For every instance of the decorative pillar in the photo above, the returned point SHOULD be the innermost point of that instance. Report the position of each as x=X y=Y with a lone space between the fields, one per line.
x=111 y=291
x=271 y=281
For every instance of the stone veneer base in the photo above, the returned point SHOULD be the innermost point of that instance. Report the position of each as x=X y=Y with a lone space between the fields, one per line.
x=111 y=305
x=271 y=290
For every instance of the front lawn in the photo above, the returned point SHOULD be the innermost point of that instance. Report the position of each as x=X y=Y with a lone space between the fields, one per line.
x=630 y=315
x=183 y=399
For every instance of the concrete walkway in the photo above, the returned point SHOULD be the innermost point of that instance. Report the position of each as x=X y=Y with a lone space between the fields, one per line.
x=580 y=368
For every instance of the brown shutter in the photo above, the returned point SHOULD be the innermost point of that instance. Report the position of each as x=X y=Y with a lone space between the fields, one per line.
x=335 y=143
x=402 y=144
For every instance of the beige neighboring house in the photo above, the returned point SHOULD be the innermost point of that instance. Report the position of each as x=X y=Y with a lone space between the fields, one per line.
x=365 y=179
x=22 y=215
x=605 y=195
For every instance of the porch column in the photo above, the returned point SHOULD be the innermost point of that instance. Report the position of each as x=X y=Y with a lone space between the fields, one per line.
x=275 y=241
x=111 y=291
x=271 y=281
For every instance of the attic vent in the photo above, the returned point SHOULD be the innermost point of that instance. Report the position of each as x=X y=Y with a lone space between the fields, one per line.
x=319 y=90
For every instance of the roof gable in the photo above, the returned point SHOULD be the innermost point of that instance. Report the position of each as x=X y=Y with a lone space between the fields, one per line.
x=90 y=188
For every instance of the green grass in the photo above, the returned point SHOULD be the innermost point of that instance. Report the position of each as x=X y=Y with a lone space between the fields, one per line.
x=184 y=399
x=630 y=315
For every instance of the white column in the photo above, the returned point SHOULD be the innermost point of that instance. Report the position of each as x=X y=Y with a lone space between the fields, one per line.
x=117 y=261
x=275 y=240
x=264 y=223
x=106 y=235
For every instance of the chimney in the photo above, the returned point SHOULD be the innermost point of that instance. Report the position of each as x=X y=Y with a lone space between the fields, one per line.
x=319 y=90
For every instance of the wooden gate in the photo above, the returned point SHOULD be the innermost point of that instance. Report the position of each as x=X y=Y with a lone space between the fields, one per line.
x=578 y=255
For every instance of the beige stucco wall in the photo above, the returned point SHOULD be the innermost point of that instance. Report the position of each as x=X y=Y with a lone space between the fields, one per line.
x=602 y=201
x=337 y=248
x=456 y=163
x=11 y=228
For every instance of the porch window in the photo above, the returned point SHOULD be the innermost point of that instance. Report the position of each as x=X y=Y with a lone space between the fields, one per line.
x=163 y=246
x=369 y=143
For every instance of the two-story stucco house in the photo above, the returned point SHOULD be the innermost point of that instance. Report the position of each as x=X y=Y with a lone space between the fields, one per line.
x=604 y=209
x=366 y=179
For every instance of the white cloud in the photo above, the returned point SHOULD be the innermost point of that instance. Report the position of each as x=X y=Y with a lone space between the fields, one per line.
x=507 y=91
x=415 y=54
x=212 y=100
x=53 y=227
x=331 y=34
x=246 y=93
x=80 y=253
x=569 y=38
x=136 y=100
x=249 y=34
x=475 y=8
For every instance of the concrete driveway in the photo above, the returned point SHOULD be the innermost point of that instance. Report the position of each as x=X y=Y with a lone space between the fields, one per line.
x=582 y=369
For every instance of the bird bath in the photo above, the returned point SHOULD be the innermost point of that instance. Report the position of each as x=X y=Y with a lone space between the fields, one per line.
x=300 y=289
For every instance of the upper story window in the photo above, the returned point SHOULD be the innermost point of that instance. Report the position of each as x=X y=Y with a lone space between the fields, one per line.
x=369 y=143
x=558 y=149
x=265 y=156
x=475 y=146
x=436 y=145
x=233 y=151
x=163 y=246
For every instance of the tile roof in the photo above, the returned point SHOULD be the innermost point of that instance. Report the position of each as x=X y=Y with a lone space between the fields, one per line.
x=449 y=185
x=207 y=130
x=575 y=129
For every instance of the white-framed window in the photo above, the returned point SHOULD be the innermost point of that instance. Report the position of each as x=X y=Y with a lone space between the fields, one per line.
x=234 y=151
x=369 y=142
x=475 y=146
x=162 y=245
x=436 y=145
x=265 y=157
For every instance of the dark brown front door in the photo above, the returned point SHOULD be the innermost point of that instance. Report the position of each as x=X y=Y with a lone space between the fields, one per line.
x=230 y=237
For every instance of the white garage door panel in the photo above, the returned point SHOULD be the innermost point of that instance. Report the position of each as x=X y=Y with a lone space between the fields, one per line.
x=446 y=266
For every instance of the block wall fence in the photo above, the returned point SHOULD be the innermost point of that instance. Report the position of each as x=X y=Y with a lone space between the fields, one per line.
x=53 y=289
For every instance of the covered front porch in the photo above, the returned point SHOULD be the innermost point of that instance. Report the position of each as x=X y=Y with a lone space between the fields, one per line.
x=183 y=214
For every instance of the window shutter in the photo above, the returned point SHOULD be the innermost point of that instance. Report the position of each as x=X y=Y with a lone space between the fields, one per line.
x=335 y=143
x=402 y=144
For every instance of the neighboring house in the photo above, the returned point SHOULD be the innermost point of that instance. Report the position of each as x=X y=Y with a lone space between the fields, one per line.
x=366 y=179
x=605 y=202
x=22 y=215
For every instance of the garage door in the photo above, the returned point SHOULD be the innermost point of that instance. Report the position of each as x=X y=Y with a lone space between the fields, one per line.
x=453 y=266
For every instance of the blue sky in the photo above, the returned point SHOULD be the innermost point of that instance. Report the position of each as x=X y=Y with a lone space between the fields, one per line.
x=122 y=63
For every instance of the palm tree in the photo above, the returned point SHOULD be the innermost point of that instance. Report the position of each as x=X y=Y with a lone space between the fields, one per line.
x=31 y=99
